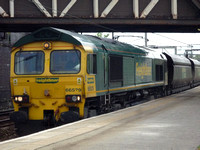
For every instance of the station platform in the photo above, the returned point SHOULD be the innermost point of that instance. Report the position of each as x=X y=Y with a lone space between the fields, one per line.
x=169 y=123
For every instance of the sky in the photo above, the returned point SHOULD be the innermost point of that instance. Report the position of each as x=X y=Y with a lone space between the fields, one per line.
x=183 y=41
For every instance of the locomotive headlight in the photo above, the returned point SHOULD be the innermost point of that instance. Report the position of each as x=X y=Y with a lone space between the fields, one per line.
x=73 y=98
x=21 y=99
x=16 y=99
x=78 y=98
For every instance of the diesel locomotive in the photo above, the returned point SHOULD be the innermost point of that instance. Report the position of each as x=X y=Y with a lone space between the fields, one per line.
x=58 y=75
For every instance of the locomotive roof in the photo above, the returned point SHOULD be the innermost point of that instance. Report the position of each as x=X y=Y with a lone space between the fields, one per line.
x=97 y=44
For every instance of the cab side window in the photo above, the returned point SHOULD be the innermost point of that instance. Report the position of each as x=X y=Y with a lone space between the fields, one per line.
x=91 y=63
x=159 y=73
x=116 y=68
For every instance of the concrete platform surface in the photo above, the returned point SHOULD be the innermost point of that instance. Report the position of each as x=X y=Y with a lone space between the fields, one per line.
x=170 y=123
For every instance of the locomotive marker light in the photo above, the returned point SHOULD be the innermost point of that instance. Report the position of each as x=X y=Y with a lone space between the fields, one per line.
x=47 y=46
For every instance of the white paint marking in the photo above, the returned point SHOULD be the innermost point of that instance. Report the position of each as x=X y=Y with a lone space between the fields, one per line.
x=96 y=8
x=148 y=9
x=174 y=9
x=41 y=8
x=67 y=8
x=136 y=8
x=54 y=8
x=109 y=8
x=12 y=8
x=3 y=13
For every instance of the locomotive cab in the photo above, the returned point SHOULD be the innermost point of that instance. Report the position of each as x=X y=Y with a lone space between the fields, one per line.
x=48 y=74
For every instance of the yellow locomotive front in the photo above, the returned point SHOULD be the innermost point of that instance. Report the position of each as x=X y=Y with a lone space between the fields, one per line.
x=47 y=81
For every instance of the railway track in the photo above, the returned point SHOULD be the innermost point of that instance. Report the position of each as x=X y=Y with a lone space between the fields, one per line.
x=7 y=127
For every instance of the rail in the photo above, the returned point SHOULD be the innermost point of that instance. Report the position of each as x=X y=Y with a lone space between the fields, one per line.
x=7 y=127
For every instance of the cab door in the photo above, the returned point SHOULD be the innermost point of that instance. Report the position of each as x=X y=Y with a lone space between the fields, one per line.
x=90 y=78
x=106 y=68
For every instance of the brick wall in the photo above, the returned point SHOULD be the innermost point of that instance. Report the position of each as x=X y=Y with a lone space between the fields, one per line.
x=6 y=41
x=4 y=77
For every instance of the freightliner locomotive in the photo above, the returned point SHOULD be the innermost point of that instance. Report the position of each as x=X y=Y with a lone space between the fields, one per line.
x=58 y=75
